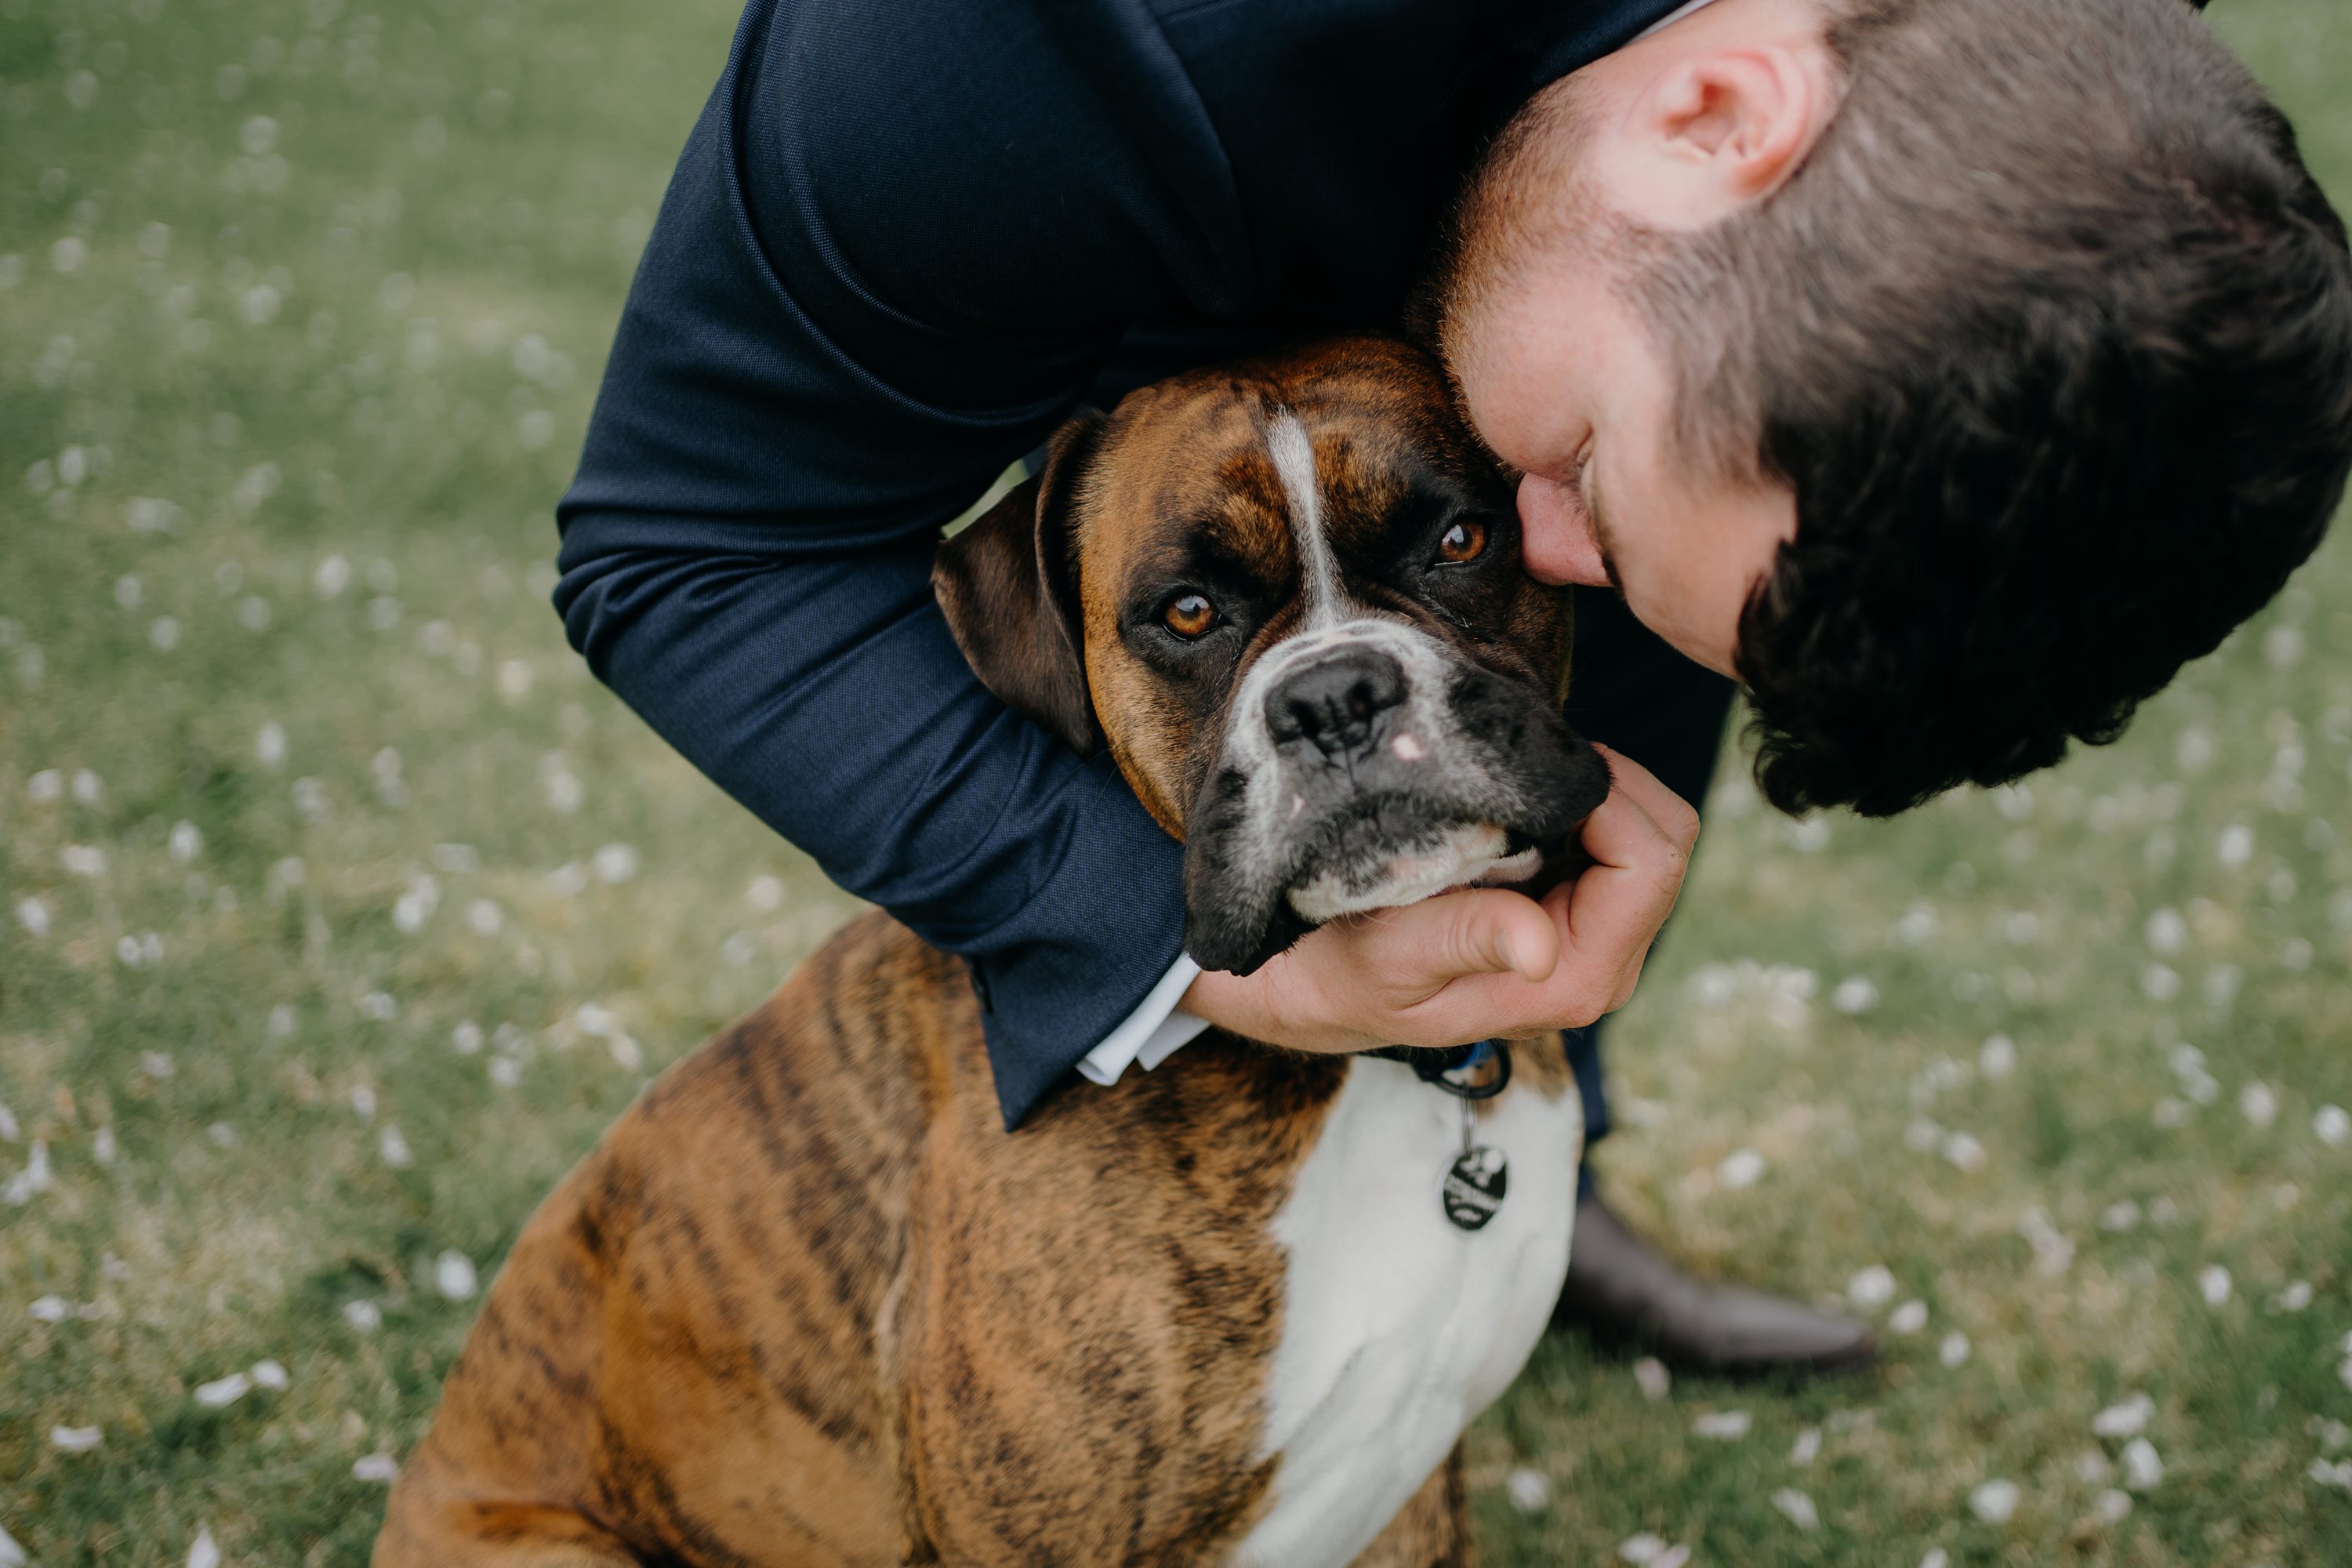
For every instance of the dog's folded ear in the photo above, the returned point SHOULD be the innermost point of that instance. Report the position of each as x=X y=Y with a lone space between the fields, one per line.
x=1009 y=587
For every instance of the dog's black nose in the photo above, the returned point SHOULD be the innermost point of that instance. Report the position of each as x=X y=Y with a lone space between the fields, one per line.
x=1334 y=701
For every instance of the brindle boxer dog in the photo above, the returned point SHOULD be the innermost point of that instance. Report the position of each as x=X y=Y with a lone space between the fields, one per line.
x=807 y=1303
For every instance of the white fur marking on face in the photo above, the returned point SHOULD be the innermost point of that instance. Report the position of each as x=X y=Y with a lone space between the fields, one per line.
x=1463 y=854
x=1293 y=461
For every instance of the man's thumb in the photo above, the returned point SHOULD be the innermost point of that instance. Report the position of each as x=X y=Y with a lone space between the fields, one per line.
x=1490 y=932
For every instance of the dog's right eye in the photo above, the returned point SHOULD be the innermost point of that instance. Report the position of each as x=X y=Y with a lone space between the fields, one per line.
x=1189 y=615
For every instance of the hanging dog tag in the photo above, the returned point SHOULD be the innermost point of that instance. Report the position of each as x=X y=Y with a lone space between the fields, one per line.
x=1476 y=1183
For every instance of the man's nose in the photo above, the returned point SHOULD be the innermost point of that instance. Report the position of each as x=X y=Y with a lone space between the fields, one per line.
x=1336 y=701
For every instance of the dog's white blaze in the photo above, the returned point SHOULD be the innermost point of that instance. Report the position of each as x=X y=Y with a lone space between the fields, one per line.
x=1398 y=1329
x=1294 y=461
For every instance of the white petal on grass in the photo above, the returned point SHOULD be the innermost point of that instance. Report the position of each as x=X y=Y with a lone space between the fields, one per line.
x=35 y=1179
x=376 y=1468
x=187 y=842
x=1741 y=1168
x=2213 y=1284
x=9 y=1130
x=1797 y=1508
x=224 y=1391
x=269 y=745
x=1997 y=1058
x=2235 y=846
x=453 y=1276
x=766 y=894
x=205 y=1552
x=1529 y=1490
x=1871 y=1287
x=1963 y=1152
x=2332 y=1125
x=615 y=863
x=1853 y=995
x=1655 y=1381
x=392 y=1149
x=11 y=1554
x=363 y=1315
x=2337 y=1474
x=2122 y=1214
x=1725 y=1425
x=76 y=1439
x=1994 y=1501
x=271 y=1375
x=1936 y=1558
x=1807 y=1448
x=1909 y=1317
x=50 y=1309
x=2127 y=1419
x=2143 y=1467
x=34 y=916
x=1641 y=1551
x=2294 y=1298
x=2113 y=1506
x=2257 y=1104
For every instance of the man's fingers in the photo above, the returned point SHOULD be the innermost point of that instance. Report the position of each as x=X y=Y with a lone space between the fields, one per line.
x=1675 y=816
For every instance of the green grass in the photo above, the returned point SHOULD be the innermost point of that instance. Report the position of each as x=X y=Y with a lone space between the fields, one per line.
x=297 y=405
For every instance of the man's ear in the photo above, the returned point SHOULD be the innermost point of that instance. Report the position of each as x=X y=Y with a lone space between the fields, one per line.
x=1009 y=585
x=1719 y=131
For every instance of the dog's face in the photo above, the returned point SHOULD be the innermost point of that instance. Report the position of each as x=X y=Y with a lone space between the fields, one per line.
x=1287 y=594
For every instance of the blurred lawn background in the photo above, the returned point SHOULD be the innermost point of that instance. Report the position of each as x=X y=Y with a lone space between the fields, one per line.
x=342 y=910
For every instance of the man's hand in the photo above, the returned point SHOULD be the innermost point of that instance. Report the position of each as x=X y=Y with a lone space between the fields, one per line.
x=1482 y=962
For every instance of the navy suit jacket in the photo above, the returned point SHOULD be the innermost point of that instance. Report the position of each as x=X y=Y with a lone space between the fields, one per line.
x=905 y=241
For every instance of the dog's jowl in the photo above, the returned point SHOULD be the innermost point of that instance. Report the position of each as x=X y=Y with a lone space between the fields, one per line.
x=808 y=1304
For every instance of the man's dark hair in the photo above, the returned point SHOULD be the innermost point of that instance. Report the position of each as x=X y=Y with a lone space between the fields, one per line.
x=2051 y=337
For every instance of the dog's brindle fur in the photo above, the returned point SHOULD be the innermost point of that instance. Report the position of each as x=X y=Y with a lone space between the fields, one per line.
x=808 y=1304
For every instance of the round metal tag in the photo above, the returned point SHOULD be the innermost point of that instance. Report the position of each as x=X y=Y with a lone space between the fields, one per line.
x=1474 y=1187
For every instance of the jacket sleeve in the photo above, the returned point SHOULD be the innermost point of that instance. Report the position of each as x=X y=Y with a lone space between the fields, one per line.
x=835 y=340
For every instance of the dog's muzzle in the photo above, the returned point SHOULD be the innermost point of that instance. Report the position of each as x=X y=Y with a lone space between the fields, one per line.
x=1367 y=766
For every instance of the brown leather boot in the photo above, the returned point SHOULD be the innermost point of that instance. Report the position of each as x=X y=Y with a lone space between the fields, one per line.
x=1620 y=1289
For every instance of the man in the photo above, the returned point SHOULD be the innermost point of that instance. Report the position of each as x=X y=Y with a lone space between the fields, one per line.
x=1946 y=371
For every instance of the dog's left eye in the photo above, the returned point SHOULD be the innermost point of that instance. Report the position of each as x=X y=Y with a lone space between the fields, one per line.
x=1462 y=543
x=1189 y=615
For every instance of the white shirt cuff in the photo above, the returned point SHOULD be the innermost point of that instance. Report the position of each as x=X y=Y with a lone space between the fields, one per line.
x=1150 y=1034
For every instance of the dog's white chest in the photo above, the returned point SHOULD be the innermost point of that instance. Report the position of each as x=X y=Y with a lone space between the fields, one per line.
x=1398 y=1329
